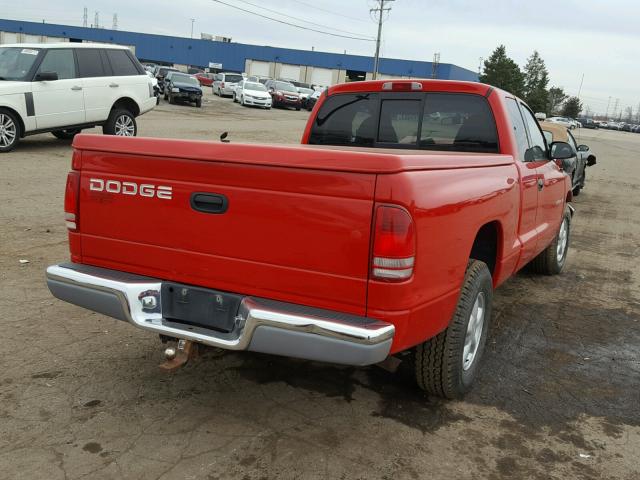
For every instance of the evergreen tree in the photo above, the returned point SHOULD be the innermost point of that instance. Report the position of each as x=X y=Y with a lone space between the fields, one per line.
x=572 y=107
x=502 y=72
x=555 y=99
x=536 y=79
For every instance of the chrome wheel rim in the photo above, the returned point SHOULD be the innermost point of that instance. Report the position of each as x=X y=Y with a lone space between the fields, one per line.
x=474 y=331
x=8 y=130
x=125 y=126
x=563 y=238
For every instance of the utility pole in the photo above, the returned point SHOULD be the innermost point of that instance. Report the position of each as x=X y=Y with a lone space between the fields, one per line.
x=114 y=26
x=380 y=10
x=435 y=65
x=615 y=107
x=607 y=112
x=580 y=89
x=96 y=20
x=192 y=22
x=481 y=60
x=85 y=17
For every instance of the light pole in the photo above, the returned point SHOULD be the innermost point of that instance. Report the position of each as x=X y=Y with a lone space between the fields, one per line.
x=192 y=22
x=380 y=10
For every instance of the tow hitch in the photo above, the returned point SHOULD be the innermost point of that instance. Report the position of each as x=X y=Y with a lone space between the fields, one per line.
x=179 y=356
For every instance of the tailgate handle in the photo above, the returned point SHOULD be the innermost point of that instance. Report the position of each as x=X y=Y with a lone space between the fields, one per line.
x=209 y=202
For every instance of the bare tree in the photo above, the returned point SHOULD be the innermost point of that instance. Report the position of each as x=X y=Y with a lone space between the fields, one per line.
x=628 y=114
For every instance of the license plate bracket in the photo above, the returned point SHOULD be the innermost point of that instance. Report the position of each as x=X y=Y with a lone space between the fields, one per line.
x=200 y=307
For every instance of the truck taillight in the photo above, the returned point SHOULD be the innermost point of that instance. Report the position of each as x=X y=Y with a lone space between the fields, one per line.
x=402 y=86
x=394 y=244
x=71 y=199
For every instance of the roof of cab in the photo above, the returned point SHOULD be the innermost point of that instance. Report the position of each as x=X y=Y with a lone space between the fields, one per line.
x=425 y=86
x=66 y=45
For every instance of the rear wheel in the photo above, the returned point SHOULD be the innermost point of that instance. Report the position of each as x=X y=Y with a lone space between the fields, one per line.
x=9 y=131
x=121 y=122
x=552 y=259
x=199 y=103
x=66 y=134
x=447 y=364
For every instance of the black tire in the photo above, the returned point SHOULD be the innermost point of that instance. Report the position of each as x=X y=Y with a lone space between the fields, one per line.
x=66 y=134
x=166 y=97
x=297 y=109
x=576 y=189
x=199 y=103
x=440 y=365
x=551 y=261
x=235 y=98
x=171 y=99
x=10 y=131
x=127 y=120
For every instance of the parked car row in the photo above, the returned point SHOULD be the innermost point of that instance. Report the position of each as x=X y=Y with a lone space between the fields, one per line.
x=622 y=126
x=261 y=91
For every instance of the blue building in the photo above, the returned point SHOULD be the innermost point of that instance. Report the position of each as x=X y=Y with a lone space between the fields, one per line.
x=321 y=68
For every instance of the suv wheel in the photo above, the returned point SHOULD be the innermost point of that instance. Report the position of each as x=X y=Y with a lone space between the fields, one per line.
x=66 y=134
x=121 y=122
x=9 y=131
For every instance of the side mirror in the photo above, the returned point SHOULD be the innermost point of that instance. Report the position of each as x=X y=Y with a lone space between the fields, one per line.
x=561 y=151
x=46 y=76
x=583 y=148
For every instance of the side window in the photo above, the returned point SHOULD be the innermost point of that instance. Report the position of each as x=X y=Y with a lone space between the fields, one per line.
x=518 y=127
x=538 y=150
x=458 y=122
x=60 y=61
x=90 y=63
x=348 y=119
x=121 y=64
x=548 y=137
x=399 y=121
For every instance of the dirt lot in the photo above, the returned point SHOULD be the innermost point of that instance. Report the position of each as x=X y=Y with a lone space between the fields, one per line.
x=81 y=395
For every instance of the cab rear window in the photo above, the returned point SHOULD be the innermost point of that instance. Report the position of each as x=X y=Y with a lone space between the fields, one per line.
x=426 y=121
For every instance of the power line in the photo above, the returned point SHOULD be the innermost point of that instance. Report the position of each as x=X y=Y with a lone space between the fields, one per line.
x=298 y=19
x=293 y=24
x=328 y=11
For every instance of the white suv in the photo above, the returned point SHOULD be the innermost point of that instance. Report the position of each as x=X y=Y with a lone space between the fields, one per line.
x=63 y=88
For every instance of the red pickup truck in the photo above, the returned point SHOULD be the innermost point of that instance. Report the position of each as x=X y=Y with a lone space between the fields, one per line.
x=385 y=232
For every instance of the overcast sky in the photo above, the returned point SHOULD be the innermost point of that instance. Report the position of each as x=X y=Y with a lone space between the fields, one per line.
x=596 y=37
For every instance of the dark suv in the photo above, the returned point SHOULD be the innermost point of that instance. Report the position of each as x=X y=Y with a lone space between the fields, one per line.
x=283 y=94
x=180 y=86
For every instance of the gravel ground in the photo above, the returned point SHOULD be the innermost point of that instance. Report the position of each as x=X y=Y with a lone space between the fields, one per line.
x=81 y=395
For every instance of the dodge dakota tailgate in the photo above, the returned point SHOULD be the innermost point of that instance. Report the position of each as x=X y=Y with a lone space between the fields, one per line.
x=275 y=222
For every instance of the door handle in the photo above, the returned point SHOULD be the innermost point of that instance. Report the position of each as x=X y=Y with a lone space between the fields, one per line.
x=76 y=88
x=114 y=85
x=209 y=202
x=540 y=184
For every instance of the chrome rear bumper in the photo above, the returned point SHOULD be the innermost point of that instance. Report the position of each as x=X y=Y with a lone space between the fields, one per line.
x=261 y=325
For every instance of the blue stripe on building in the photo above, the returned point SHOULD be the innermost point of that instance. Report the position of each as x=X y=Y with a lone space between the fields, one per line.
x=187 y=51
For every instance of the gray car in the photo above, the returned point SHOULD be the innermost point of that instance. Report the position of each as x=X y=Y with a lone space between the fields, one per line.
x=224 y=83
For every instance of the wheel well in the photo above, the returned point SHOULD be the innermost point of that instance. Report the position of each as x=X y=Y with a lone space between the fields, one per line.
x=20 y=121
x=128 y=104
x=485 y=245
